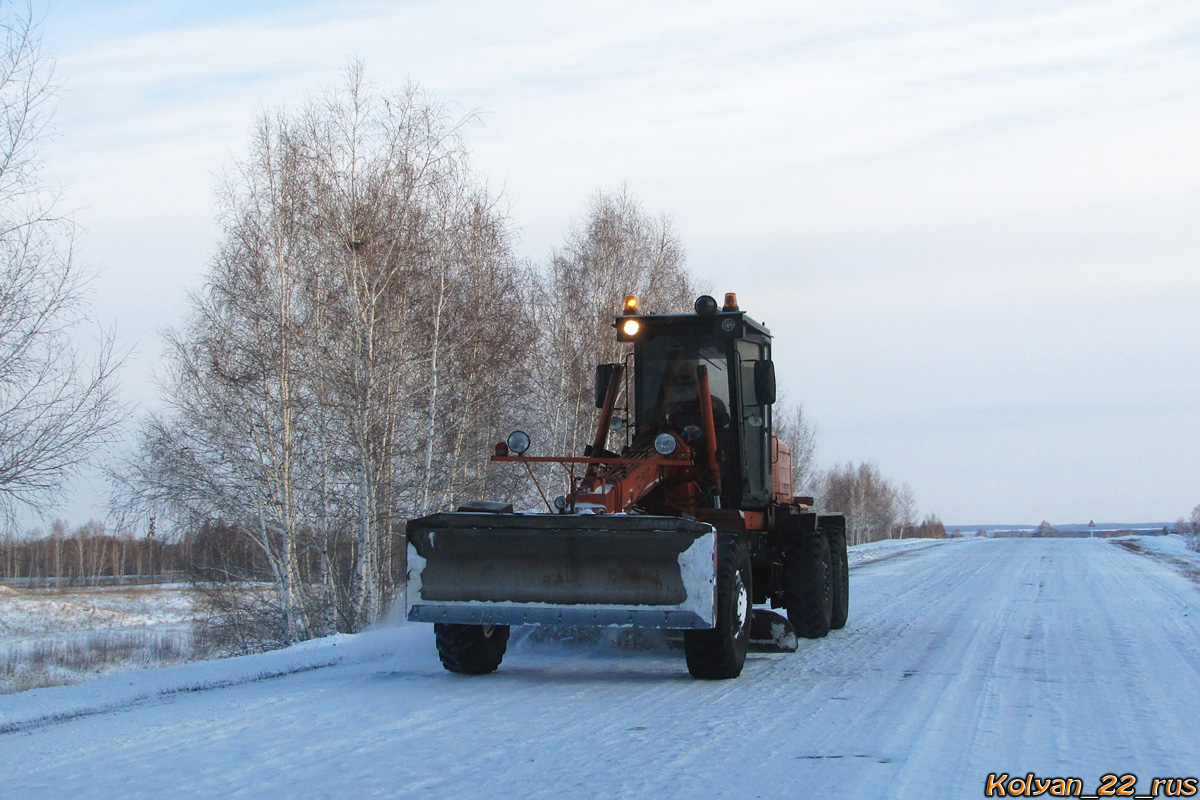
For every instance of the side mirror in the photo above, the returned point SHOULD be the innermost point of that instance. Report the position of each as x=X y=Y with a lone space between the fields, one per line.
x=764 y=382
x=603 y=378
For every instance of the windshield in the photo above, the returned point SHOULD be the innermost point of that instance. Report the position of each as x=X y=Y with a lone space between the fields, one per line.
x=668 y=392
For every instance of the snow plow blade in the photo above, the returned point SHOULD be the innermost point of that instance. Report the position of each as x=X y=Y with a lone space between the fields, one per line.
x=558 y=569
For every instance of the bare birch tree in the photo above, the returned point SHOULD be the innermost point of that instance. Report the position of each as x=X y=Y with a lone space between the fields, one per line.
x=617 y=249
x=418 y=257
x=869 y=501
x=58 y=402
x=352 y=354
x=1194 y=538
x=795 y=430
x=907 y=511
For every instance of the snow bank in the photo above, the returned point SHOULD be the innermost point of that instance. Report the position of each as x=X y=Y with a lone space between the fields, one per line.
x=39 y=707
x=1172 y=544
x=50 y=637
x=887 y=548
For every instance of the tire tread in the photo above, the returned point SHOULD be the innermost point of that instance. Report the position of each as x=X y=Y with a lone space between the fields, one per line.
x=808 y=585
x=841 y=581
x=716 y=654
x=466 y=650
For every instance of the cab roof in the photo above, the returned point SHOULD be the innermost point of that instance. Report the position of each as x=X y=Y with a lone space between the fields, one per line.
x=723 y=324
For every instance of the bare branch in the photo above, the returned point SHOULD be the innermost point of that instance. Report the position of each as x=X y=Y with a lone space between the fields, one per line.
x=58 y=402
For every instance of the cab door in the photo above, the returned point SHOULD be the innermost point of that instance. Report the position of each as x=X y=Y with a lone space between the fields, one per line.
x=755 y=418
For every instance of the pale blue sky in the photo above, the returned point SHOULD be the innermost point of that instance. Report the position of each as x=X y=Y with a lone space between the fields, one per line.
x=971 y=226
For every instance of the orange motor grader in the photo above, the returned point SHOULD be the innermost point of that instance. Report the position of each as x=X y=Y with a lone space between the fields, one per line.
x=687 y=525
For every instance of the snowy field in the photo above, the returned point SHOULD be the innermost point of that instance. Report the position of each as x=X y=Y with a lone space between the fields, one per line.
x=50 y=637
x=1061 y=657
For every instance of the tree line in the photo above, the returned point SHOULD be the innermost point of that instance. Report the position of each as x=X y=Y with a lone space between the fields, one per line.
x=876 y=507
x=89 y=556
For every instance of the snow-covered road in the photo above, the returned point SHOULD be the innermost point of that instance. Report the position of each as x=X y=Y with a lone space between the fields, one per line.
x=1058 y=657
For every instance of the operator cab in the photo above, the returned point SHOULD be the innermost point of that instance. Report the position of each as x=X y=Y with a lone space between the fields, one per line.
x=669 y=351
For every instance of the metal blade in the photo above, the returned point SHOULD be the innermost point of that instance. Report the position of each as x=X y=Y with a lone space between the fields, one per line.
x=771 y=632
x=639 y=571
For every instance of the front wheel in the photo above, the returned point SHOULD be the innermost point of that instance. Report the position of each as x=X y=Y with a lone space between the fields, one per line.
x=470 y=649
x=720 y=652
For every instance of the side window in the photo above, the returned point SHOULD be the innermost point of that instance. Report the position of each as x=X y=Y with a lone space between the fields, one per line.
x=754 y=420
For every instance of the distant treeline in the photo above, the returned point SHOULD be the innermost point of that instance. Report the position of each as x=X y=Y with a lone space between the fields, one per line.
x=89 y=556
x=1048 y=531
x=876 y=508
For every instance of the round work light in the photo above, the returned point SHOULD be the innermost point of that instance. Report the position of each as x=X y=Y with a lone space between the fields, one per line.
x=518 y=442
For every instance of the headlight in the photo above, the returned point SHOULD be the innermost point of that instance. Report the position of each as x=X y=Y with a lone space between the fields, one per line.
x=518 y=442
x=664 y=443
x=631 y=327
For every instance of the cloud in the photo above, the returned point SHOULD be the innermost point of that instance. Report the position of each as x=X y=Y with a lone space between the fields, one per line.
x=918 y=199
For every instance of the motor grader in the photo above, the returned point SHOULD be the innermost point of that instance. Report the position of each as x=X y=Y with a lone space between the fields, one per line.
x=687 y=524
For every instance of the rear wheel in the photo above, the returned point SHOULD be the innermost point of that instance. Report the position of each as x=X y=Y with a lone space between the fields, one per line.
x=840 y=574
x=719 y=653
x=808 y=585
x=470 y=649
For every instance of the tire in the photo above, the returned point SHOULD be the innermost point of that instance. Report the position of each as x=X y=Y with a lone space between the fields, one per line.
x=470 y=649
x=808 y=585
x=719 y=653
x=841 y=581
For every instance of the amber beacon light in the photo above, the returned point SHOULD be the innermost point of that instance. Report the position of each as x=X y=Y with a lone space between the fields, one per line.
x=630 y=305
